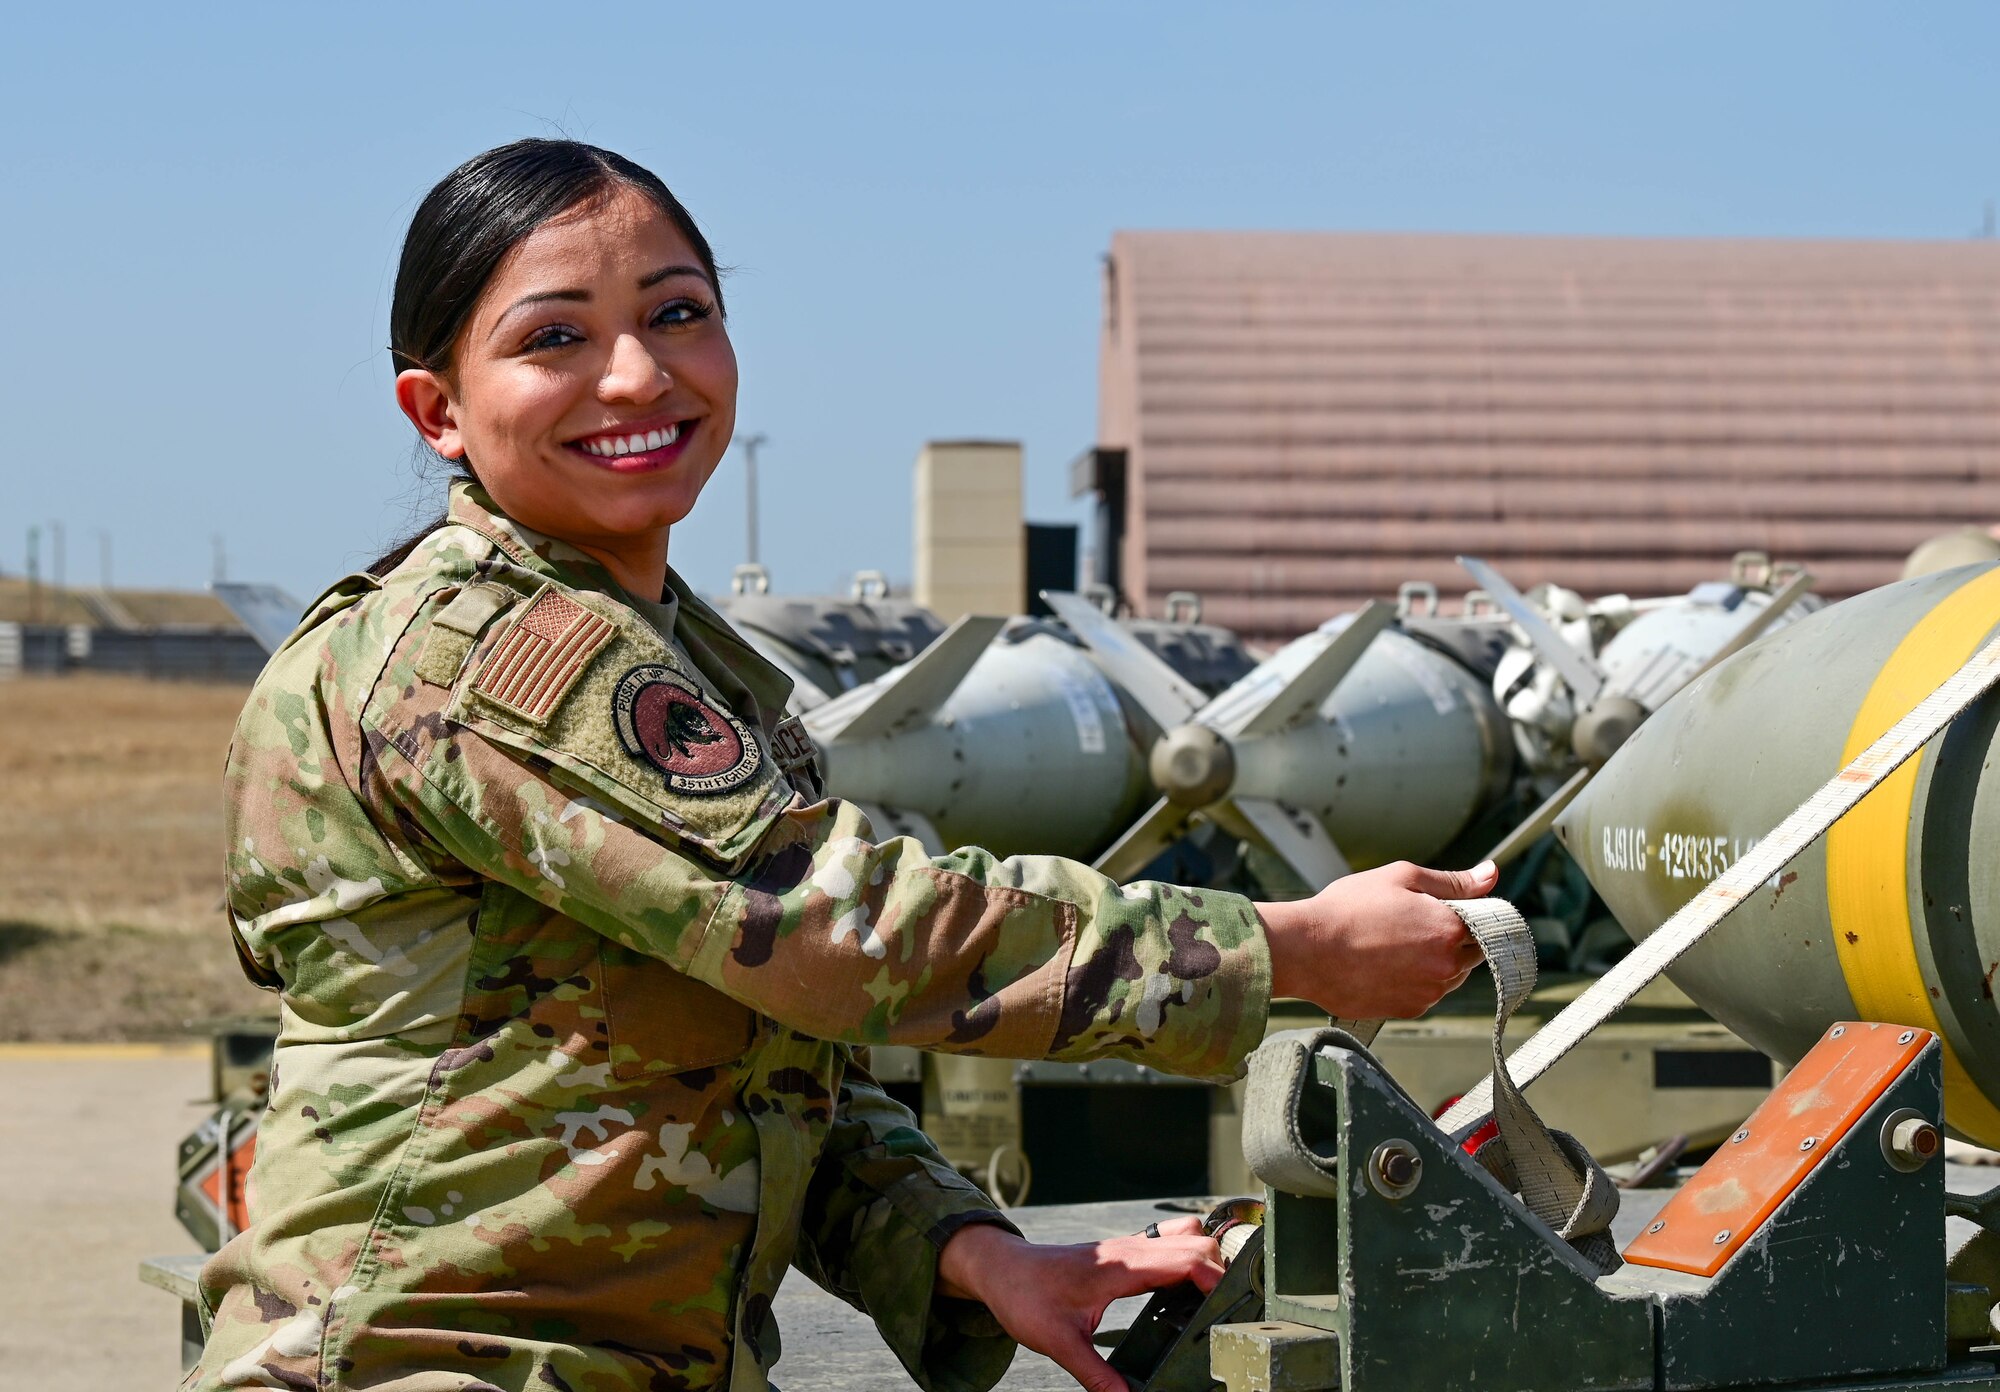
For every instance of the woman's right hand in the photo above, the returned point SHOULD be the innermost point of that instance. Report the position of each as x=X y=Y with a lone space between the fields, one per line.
x=1380 y=944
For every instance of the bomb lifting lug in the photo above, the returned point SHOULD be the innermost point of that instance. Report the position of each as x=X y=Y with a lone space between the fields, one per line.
x=1809 y=1253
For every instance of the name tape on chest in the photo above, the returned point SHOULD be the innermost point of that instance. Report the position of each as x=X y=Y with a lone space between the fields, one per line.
x=791 y=746
x=542 y=654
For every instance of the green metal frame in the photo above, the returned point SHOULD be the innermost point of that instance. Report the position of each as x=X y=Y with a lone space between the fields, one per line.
x=1454 y=1286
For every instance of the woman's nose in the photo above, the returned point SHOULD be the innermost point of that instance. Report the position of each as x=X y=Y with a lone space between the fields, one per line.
x=633 y=373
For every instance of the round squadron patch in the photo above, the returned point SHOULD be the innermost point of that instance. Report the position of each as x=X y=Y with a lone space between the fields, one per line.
x=664 y=719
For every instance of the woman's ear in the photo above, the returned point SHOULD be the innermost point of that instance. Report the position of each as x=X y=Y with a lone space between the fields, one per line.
x=427 y=402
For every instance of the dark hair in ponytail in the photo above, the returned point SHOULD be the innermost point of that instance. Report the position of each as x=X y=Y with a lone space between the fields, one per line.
x=468 y=223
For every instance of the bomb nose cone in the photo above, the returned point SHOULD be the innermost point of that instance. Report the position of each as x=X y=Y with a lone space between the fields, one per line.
x=1193 y=765
x=1601 y=730
x=1890 y=916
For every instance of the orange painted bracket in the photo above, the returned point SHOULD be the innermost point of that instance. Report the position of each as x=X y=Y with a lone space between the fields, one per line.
x=1796 y=1128
x=242 y=1153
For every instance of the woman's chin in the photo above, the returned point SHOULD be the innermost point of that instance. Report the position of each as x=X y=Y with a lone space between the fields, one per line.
x=641 y=514
x=593 y=505
x=628 y=503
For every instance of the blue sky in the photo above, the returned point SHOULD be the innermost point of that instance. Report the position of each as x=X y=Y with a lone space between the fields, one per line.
x=203 y=206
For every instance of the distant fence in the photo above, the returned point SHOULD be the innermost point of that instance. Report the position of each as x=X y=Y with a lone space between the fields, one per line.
x=182 y=653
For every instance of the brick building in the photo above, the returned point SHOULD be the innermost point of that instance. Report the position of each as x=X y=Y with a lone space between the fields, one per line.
x=1290 y=424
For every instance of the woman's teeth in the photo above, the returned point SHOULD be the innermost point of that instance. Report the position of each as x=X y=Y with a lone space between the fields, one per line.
x=617 y=446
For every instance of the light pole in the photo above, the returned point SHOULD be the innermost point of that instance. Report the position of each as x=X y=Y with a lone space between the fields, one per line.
x=751 y=444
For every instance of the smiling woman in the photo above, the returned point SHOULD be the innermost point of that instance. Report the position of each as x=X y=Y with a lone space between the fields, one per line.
x=579 y=961
x=528 y=323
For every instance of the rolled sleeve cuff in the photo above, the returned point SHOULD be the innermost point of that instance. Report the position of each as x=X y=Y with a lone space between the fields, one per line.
x=1200 y=1007
x=1243 y=984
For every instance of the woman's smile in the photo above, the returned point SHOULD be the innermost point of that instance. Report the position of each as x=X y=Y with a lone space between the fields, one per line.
x=636 y=448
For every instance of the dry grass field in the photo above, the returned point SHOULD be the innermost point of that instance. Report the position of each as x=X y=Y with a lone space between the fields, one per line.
x=110 y=858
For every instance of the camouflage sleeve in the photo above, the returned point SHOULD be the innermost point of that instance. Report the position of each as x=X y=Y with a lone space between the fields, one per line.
x=861 y=942
x=879 y=1209
x=794 y=908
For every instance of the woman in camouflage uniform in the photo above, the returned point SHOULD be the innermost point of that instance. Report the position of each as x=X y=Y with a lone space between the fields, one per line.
x=575 y=955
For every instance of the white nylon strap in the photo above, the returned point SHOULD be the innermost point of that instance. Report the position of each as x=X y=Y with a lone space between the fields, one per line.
x=1555 y=1176
x=1609 y=993
x=1273 y=1145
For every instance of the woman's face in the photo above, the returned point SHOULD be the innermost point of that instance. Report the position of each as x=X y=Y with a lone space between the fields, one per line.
x=593 y=389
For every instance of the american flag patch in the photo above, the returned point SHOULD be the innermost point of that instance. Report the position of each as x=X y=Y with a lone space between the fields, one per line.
x=543 y=652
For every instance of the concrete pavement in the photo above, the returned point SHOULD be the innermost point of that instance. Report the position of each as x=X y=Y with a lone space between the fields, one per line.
x=87 y=1141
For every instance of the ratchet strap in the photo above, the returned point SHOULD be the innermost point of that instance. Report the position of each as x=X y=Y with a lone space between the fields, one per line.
x=1696 y=918
x=1552 y=1172
x=1556 y=1177
x=1273 y=1144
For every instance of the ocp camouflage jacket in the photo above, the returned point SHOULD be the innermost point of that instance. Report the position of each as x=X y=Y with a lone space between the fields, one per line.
x=575 y=959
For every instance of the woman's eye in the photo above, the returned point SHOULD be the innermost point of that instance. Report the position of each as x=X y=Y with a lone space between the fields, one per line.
x=554 y=336
x=678 y=314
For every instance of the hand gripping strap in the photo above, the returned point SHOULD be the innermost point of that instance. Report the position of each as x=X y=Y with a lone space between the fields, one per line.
x=1554 y=1175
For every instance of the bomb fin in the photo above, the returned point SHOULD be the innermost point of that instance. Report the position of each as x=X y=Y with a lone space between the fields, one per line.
x=909 y=694
x=1308 y=689
x=1579 y=670
x=1165 y=695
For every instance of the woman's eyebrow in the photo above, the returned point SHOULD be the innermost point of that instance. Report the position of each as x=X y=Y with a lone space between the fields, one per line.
x=648 y=282
x=581 y=296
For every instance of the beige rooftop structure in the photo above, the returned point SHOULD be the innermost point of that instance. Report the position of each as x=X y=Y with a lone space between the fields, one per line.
x=970 y=550
x=1303 y=421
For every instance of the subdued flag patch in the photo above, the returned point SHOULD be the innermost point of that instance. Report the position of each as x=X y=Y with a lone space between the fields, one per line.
x=542 y=654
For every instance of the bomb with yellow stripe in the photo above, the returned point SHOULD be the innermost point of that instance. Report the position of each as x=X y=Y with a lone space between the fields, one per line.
x=1895 y=914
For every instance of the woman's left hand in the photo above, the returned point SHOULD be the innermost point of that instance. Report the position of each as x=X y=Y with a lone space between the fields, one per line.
x=1051 y=1298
